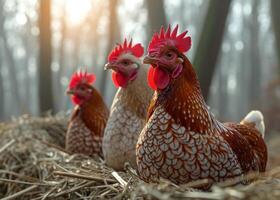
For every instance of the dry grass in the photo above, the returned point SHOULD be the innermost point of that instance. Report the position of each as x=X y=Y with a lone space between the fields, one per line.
x=34 y=165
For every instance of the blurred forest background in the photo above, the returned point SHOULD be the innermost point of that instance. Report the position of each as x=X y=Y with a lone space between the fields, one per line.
x=236 y=50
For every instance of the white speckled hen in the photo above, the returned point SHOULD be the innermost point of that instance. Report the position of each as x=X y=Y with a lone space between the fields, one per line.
x=130 y=104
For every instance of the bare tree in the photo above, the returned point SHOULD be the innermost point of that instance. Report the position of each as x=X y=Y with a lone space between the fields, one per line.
x=113 y=36
x=223 y=94
x=156 y=16
x=243 y=67
x=45 y=57
x=94 y=19
x=11 y=61
x=1 y=88
x=77 y=45
x=210 y=42
x=275 y=8
x=27 y=42
x=61 y=61
x=255 y=55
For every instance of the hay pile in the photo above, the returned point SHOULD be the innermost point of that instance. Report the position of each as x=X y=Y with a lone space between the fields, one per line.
x=34 y=165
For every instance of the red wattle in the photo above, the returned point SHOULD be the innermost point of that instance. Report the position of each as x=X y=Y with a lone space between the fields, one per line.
x=118 y=79
x=158 y=78
x=151 y=81
x=161 y=78
x=76 y=100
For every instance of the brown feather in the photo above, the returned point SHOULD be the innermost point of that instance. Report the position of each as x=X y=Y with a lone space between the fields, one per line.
x=182 y=141
x=86 y=127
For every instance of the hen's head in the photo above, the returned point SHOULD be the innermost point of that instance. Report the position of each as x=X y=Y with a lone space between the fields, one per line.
x=166 y=56
x=124 y=60
x=80 y=87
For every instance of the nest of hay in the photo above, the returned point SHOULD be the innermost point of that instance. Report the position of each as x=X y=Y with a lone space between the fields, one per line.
x=34 y=165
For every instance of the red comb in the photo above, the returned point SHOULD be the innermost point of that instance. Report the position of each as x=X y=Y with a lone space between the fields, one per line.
x=81 y=77
x=137 y=50
x=181 y=42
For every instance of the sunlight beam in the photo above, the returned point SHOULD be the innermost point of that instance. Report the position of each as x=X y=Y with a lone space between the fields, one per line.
x=77 y=10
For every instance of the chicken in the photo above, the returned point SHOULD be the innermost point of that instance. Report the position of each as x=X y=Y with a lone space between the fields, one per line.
x=182 y=141
x=88 y=121
x=129 y=107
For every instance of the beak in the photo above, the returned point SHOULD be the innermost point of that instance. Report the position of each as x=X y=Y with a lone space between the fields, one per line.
x=70 y=91
x=149 y=60
x=109 y=66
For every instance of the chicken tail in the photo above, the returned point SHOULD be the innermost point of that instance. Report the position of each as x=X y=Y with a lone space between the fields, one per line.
x=255 y=118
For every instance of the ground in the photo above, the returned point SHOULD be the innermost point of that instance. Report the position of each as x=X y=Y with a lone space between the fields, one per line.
x=34 y=165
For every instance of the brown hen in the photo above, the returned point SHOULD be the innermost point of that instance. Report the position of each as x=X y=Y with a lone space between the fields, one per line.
x=88 y=121
x=182 y=141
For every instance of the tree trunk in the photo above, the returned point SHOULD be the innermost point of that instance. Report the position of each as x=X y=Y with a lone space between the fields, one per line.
x=2 y=110
x=113 y=34
x=58 y=91
x=275 y=8
x=11 y=64
x=45 y=57
x=27 y=41
x=243 y=75
x=94 y=20
x=255 y=55
x=210 y=42
x=156 y=16
x=76 y=49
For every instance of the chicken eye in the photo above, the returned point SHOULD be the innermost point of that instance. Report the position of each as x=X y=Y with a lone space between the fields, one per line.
x=169 y=55
x=125 y=62
x=82 y=88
